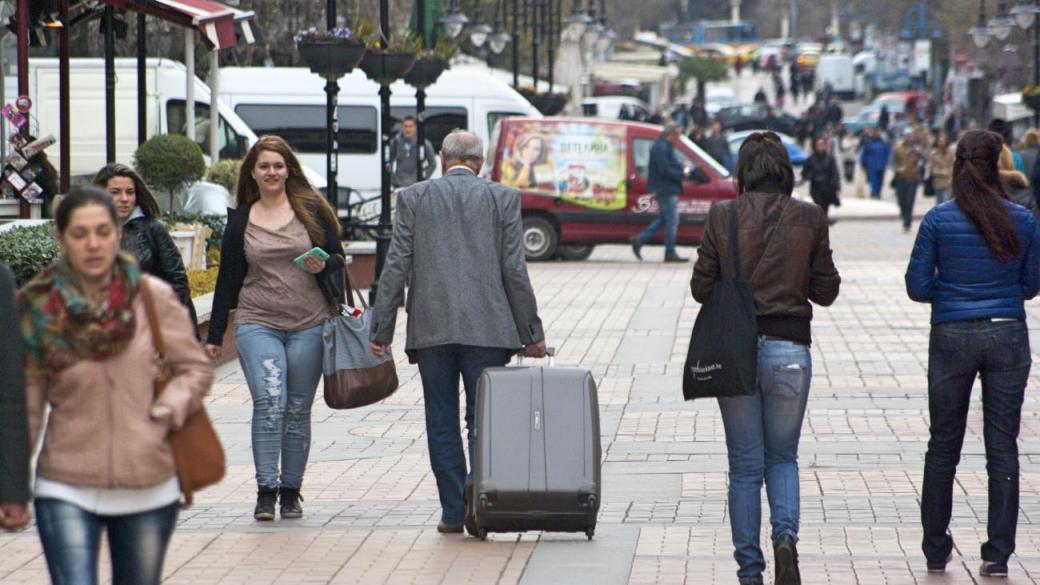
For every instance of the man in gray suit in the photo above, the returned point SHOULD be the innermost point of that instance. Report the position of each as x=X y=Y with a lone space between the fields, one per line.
x=458 y=245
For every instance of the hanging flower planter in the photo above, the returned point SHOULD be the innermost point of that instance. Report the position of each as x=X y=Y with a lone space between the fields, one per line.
x=549 y=104
x=331 y=60
x=385 y=67
x=331 y=54
x=424 y=72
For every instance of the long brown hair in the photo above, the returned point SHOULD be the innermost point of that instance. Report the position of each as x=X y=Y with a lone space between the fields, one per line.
x=306 y=203
x=144 y=198
x=979 y=193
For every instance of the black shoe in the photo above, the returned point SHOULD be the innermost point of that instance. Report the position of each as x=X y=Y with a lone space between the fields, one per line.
x=785 y=557
x=445 y=528
x=990 y=569
x=675 y=258
x=940 y=567
x=265 y=500
x=636 y=247
x=290 y=501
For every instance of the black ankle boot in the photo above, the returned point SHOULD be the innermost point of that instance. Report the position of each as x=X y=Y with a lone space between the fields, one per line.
x=290 y=500
x=265 y=499
x=785 y=559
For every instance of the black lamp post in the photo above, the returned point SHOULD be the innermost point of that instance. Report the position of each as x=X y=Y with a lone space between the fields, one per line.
x=332 y=123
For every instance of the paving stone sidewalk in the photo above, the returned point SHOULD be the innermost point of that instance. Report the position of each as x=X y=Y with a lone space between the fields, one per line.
x=371 y=503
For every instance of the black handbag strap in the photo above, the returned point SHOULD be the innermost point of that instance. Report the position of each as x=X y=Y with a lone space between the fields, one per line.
x=349 y=288
x=734 y=242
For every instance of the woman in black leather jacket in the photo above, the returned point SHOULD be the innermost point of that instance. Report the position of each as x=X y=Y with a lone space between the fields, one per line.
x=143 y=234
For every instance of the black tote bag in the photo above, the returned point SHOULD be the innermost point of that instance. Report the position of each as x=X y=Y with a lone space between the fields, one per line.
x=723 y=356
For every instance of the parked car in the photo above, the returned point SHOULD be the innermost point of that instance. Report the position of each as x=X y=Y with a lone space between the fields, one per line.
x=718 y=96
x=755 y=117
x=584 y=182
x=794 y=151
x=838 y=71
x=898 y=104
x=609 y=107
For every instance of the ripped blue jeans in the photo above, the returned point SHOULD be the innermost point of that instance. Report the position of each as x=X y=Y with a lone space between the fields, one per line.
x=282 y=369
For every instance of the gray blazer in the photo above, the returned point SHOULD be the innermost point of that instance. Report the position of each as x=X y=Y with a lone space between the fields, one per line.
x=458 y=245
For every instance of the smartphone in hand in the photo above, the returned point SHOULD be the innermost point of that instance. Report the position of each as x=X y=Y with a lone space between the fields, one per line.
x=315 y=252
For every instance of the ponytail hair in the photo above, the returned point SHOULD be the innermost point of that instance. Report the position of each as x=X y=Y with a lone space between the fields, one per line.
x=979 y=193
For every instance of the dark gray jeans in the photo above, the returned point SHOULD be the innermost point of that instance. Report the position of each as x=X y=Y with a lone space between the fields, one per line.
x=998 y=351
x=906 y=192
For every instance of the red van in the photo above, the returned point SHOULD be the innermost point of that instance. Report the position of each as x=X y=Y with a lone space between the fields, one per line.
x=583 y=182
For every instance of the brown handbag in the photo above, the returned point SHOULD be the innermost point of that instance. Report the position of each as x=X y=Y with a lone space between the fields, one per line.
x=349 y=384
x=197 y=451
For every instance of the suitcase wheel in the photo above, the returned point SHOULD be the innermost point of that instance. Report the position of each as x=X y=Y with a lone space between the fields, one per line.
x=482 y=534
x=590 y=531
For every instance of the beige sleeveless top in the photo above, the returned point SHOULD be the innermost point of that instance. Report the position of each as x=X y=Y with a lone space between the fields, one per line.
x=276 y=292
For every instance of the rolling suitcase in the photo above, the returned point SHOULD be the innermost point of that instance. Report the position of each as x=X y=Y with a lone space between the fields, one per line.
x=537 y=453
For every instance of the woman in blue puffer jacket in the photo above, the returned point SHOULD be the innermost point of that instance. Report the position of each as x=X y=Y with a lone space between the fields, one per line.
x=976 y=259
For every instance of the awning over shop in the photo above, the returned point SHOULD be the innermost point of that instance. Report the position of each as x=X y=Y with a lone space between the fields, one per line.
x=218 y=24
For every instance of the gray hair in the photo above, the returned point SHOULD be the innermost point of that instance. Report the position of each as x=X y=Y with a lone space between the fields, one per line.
x=462 y=145
x=671 y=128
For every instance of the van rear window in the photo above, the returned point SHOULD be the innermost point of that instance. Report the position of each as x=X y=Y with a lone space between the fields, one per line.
x=303 y=126
x=440 y=121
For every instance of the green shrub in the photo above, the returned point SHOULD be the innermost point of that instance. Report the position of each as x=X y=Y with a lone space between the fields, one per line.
x=28 y=250
x=225 y=173
x=213 y=222
x=170 y=162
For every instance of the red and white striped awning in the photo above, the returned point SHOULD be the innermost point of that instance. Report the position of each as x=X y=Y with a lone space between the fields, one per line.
x=219 y=24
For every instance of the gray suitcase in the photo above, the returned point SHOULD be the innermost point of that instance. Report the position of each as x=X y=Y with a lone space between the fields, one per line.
x=537 y=453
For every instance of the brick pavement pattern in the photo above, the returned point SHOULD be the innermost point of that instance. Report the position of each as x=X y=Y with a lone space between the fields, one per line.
x=371 y=503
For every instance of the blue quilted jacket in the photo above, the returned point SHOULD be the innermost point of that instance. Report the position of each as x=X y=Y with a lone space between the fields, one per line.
x=952 y=268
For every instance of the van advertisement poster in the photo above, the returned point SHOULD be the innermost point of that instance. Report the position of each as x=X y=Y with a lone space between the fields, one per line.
x=580 y=163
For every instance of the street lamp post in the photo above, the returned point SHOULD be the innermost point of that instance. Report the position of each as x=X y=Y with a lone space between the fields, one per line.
x=332 y=124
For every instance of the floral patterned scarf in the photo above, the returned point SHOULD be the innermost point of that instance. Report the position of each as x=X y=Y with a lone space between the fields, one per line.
x=60 y=326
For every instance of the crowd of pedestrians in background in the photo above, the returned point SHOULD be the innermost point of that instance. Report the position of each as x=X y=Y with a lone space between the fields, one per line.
x=83 y=323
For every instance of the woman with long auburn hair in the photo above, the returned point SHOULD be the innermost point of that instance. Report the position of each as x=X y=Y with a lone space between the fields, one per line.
x=281 y=307
x=976 y=259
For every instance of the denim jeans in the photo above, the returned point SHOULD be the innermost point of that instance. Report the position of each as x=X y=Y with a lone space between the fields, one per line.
x=669 y=218
x=942 y=195
x=762 y=432
x=71 y=538
x=877 y=181
x=958 y=351
x=906 y=191
x=439 y=369
x=282 y=370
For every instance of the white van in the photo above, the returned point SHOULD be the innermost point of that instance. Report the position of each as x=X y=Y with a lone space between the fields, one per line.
x=165 y=93
x=838 y=71
x=290 y=102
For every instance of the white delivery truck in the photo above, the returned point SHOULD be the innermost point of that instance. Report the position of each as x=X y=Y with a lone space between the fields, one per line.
x=838 y=71
x=165 y=95
x=290 y=102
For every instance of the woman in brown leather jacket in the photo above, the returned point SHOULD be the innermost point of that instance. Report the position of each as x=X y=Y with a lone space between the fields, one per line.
x=786 y=253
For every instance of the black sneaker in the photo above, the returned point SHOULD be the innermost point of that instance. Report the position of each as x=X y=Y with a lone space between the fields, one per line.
x=990 y=569
x=290 y=501
x=636 y=247
x=265 y=499
x=675 y=258
x=940 y=567
x=785 y=557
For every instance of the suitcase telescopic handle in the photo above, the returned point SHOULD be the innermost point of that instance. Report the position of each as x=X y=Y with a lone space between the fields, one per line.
x=550 y=353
